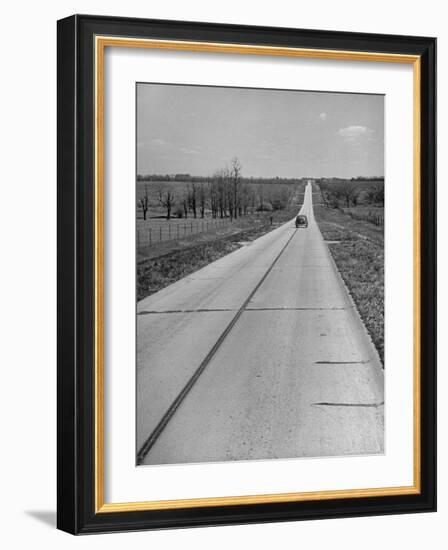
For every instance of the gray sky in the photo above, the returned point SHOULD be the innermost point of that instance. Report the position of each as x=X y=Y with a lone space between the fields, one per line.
x=198 y=129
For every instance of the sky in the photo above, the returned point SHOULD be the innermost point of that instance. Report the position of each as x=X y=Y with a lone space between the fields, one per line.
x=198 y=130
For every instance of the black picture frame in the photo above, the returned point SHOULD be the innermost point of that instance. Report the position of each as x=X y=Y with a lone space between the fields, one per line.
x=76 y=258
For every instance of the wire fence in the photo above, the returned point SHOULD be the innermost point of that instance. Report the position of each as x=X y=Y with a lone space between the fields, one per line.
x=153 y=232
x=376 y=219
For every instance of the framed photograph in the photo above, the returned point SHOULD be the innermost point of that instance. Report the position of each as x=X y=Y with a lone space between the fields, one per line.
x=246 y=274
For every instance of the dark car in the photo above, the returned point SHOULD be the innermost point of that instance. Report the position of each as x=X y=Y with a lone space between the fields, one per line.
x=301 y=221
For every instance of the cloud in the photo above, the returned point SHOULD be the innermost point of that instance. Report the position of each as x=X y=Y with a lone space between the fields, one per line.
x=350 y=133
x=322 y=117
x=189 y=151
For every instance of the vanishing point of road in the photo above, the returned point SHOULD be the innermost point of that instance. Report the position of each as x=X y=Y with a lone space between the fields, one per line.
x=259 y=355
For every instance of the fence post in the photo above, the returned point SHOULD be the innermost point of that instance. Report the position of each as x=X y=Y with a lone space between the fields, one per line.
x=150 y=239
x=160 y=233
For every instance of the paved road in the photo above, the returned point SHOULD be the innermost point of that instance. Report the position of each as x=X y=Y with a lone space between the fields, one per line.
x=269 y=352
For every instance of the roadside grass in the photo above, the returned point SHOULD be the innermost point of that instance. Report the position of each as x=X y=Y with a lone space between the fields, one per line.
x=358 y=250
x=340 y=226
x=171 y=261
x=157 y=273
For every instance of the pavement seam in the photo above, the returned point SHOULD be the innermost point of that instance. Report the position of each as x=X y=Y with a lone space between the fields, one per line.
x=220 y=310
x=341 y=362
x=328 y=404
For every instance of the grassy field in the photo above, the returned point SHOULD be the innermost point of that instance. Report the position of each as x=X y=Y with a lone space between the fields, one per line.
x=158 y=266
x=357 y=247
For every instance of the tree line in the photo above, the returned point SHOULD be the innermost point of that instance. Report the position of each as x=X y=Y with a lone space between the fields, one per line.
x=141 y=178
x=226 y=194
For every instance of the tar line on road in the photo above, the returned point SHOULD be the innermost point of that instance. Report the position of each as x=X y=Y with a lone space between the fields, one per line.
x=185 y=390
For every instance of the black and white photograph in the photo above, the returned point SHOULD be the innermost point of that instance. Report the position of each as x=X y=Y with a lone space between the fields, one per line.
x=260 y=274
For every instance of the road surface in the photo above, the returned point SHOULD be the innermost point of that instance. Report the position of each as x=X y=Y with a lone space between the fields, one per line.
x=259 y=355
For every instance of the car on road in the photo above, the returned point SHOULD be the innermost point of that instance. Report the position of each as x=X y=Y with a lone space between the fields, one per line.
x=301 y=221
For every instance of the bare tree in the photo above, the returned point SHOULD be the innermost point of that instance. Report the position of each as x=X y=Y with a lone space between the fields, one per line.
x=184 y=202
x=235 y=178
x=245 y=200
x=214 y=196
x=192 y=199
x=229 y=198
x=202 y=199
x=221 y=179
x=167 y=200
x=144 y=202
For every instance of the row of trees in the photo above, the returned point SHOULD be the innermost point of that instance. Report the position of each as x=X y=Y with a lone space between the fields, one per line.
x=204 y=179
x=351 y=193
x=225 y=195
